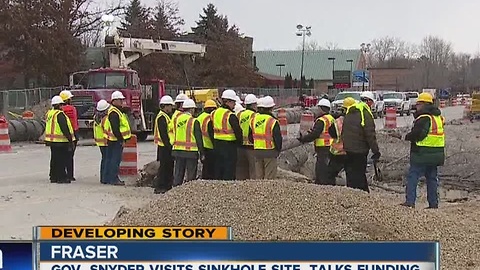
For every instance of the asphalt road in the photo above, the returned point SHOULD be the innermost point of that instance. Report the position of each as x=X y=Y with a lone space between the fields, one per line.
x=27 y=198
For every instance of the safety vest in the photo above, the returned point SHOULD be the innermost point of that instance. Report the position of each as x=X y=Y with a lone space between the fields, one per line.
x=184 y=136
x=337 y=145
x=124 y=125
x=98 y=133
x=53 y=133
x=222 y=130
x=325 y=139
x=262 y=131
x=435 y=136
x=156 y=133
x=245 y=117
x=361 y=106
x=171 y=129
x=204 y=118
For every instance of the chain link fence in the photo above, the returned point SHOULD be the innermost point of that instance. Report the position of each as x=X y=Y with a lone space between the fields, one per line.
x=27 y=98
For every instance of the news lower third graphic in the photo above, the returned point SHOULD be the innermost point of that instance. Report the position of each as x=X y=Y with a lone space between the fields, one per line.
x=16 y=256
x=229 y=255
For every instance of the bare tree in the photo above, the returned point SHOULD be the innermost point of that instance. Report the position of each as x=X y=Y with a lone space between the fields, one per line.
x=331 y=46
x=387 y=48
x=310 y=45
x=437 y=50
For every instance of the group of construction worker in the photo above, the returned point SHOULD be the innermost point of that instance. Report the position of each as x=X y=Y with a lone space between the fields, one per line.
x=237 y=143
x=232 y=142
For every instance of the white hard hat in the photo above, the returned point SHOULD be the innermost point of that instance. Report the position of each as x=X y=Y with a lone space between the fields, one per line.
x=267 y=102
x=117 y=95
x=230 y=94
x=189 y=104
x=238 y=108
x=65 y=94
x=102 y=105
x=167 y=100
x=181 y=98
x=367 y=94
x=250 y=99
x=324 y=102
x=57 y=100
x=238 y=100
x=260 y=102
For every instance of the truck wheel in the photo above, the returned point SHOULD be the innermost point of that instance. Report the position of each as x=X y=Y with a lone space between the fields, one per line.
x=401 y=113
x=142 y=136
x=409 y=112
x=375 y=115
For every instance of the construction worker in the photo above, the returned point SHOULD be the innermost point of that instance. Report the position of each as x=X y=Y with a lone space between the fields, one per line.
x=100 y=140
x=188 y=144
x=117 y=131
x=227 y=137
x=178 y=110
x=205 y=120
x=368 y=98
x=266 y=136
x=323 y=141
x=59 y=135
x=338 y=155
x=245 y=157
x=71 y=112
x=359 y=137
x=162 y=137
x=238 y=108
x=427 y=150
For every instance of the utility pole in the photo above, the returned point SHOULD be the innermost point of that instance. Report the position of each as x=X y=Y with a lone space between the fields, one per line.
x=303 y=31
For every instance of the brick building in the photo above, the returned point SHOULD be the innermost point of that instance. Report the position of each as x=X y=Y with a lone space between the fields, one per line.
x=390 y=79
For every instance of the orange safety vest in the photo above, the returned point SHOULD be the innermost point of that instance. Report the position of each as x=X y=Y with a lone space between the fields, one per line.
x=325 y=139
x=337 y=146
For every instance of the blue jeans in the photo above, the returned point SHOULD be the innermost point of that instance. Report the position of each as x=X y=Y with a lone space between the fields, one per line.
x=103 y=162
x=415 y=172
x=112 y=164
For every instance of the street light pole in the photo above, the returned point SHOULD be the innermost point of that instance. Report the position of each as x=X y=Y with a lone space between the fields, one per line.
x=280 y=66
x=302 y=31
x=364 y=48
x=351 y=72
x=333 y=68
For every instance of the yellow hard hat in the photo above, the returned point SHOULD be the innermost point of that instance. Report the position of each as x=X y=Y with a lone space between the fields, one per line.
x=348 y=102
x=425 y=97
x=210 y=104
x=65 y=94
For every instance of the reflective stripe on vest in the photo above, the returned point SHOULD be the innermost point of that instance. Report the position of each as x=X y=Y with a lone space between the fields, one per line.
x=157 y=139
x=204 y=118
x=325 y=139
x=184 y=136
x=245 y=117
x=222 y=130
x=53 y=133
x=171 y=129
x=262 y=131
x=436 y=135
x=362 y=106
x=124 y=125
x=98 y=133
x=337 y=146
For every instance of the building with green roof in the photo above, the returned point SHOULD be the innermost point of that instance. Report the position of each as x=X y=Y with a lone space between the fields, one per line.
x=316 y=66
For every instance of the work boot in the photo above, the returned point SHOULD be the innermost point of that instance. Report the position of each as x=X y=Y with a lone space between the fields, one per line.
x=118 y=183
x=73 y=179
x=66 y=181
x=407 y=205
x=432 y=207
x=53 y=180
x=160 y=191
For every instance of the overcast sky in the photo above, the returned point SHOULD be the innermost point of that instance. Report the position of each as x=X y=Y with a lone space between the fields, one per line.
x=346 y=22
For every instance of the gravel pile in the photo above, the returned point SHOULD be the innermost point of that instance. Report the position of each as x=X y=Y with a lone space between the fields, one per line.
x=285 y=210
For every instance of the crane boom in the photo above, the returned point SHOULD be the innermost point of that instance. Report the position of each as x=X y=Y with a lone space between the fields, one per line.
x=136 y=47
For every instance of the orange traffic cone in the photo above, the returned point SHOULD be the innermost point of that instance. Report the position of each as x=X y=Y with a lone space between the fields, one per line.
x=5 y=146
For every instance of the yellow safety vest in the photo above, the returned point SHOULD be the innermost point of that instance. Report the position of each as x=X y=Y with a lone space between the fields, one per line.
x=171 y=129
x=222 y=130
x=436 y=135
x=362 y=106
x=98 y=133
x=156 y=133
x=53 y=133
x=124 y=125
x=337 y=146
x=204 y=118
x=325 y=139
x=184 y=133
x=262 y=130
x=245 y=117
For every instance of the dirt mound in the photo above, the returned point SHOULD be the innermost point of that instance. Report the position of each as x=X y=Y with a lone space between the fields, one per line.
x=284 y=210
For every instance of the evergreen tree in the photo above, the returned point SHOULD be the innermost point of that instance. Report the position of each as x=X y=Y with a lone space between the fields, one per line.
x=303 y=81
x=167 y=22
x=137 y=22
x=295 y=83
x=311 y=84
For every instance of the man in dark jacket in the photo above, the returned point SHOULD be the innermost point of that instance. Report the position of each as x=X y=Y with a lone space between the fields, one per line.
x=266 y=137
x=164 y=180
x=227 y=137
x=359 y=137
x=427 y=150
x=323 y=141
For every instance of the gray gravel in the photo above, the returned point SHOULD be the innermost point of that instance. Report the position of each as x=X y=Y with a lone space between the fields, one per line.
x=284 y=210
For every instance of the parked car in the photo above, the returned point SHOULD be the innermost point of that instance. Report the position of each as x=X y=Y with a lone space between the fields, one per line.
x=379 y=106
x=412 y=96
x=397 y=100
x=338 y=102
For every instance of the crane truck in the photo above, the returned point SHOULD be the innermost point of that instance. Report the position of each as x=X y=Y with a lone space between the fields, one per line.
x=142 y=98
